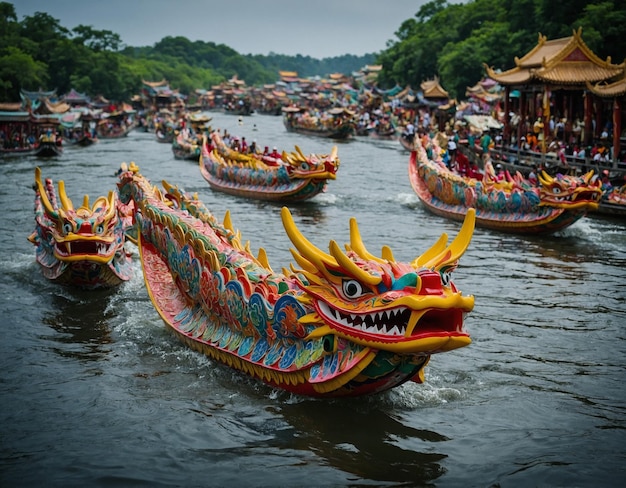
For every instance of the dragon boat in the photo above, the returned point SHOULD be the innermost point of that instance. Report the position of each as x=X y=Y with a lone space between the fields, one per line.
x=187 y=143
x=343 y=323
x=82 y=247
x=48 y=147
x=613 y=202
x=186 y=147
x=292 y=177
x=335 y=123
x=513 y=205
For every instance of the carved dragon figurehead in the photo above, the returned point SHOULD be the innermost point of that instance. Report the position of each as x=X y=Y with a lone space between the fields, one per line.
x=343 y=322
x=571 y=192
x=380 y=303
x=296 y=163
x=88 y=233
x=312 y=167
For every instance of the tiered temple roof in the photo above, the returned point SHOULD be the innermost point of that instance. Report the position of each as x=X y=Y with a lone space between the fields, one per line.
x=565 y=61
x=432 y=89
x=607 y=90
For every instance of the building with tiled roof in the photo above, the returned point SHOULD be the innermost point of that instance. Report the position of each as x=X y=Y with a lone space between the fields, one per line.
x=565 y=61
x=615 y=94
x=607 y=90
x=433 y=89
x=552 y=79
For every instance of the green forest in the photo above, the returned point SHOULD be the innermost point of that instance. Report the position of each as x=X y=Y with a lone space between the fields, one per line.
x=448 y=40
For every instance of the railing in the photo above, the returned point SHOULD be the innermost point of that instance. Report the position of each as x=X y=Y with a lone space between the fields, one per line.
x=550 y=161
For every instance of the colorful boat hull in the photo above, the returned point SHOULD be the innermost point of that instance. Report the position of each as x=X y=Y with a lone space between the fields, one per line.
x=514 y=206
x=334 y=124
x=294 y=178
x=346 y=324
x=81 y=247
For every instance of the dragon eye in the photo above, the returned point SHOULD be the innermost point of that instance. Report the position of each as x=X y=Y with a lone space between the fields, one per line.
x=352 y=289
x=67 y=228
x=556 y=189
x=99 y=229
x=304 y=166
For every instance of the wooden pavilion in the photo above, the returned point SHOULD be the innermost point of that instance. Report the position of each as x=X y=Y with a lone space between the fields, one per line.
x=552 y=80
x=615 y=93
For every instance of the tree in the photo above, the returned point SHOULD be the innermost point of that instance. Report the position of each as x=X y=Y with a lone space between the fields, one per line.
x=97 y=40
x=19 y=70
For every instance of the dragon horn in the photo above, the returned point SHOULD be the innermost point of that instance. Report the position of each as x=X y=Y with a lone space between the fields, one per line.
x=545 y=178
x=287 y=158
x=387 y=254
x=300 y=152
x=43 y=196
x=458 y=246
x=112 y=207
x=346 y=263
x=357 y=245
x=167 y=186
x=316 y=256
x=65 y=202
x=431 y=253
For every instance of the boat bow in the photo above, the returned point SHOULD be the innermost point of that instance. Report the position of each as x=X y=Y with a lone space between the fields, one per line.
x=342 y=323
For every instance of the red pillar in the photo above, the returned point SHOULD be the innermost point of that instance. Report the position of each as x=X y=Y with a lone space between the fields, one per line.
x=507 y=118
x=523 y=114
x=588 y=119
x=617 y=128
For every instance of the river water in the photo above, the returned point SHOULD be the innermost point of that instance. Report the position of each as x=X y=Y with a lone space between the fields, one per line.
x=95 y=392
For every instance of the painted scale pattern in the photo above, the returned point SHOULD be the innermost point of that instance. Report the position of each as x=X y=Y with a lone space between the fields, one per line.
x=286 y=328
x=295 y=177
x=513 y=205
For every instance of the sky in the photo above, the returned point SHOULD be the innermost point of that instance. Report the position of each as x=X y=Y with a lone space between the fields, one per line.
x=316 y=28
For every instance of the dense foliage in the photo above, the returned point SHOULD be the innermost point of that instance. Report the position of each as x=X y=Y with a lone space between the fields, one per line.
x=37 y=52
x=451 y=41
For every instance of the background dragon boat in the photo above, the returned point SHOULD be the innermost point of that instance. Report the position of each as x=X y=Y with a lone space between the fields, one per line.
x=48 y=146
x=613 y=202
x=335 y=123
x=187 y=147
x=346 y=323
x=83 y=246
x=514 y=206
x=187 y=143
x=291 y=178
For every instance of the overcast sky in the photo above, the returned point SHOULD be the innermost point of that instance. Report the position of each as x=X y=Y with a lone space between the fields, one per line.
x=317 y=28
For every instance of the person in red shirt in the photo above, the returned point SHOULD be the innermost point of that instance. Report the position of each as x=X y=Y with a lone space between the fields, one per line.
x=275 y=153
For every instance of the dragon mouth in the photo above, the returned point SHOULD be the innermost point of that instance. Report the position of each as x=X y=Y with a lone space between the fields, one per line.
x=394 y=324
x=587 y=196
x=580 y=197
x=85 y=250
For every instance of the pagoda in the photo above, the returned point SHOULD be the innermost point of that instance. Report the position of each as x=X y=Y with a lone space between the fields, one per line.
x=552 y=80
